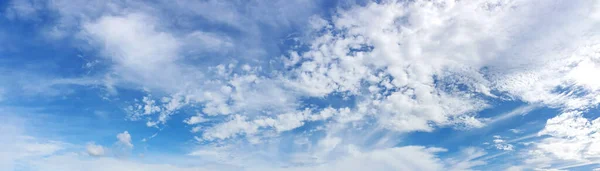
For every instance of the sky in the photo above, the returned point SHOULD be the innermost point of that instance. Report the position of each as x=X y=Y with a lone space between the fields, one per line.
x=195 y=85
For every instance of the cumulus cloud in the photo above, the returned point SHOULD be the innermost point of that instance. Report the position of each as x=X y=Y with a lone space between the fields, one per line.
x=195 y=120
x=501 y=144
x=124 y=139
x=352 y=53
x=137 y=48
x=94 y=150
x=567 y=141
x=572 y=138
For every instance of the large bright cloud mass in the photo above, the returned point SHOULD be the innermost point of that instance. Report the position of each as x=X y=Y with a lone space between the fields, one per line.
x=421 y=85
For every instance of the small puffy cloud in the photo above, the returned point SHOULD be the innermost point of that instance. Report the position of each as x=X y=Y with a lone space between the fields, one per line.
x=237 y=125
x=124 y=139
x=502 y=144
x=94 y=150
x=195 y=120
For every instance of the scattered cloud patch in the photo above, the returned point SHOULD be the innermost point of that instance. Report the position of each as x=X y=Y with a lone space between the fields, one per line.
x=501 y=144
x=94 y=150
x=124 y=139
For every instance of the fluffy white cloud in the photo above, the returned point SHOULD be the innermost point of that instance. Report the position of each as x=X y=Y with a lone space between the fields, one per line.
x=567 y=140
x=94 y=150
x=501 y=144
x=195 y=120
x=572 y=137
x=142 y=53
x=124 y=139
x=378 y=47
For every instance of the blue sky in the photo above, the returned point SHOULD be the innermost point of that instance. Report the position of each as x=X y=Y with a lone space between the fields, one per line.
x=299 y=85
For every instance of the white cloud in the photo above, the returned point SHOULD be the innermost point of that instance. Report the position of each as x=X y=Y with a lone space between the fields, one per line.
x=568 y=140
x=515 y=168
x=195 y=120
x=124 y=139
x=141 y=52
x=237 y=125
x=395 y=158
x=521 y=110
x=94 y=150
x=242 y=125
x=573 y=137
x=24 y=9
x=502 y=144
x=210 y=42
x=398 y=158
x=16 y=146
x=22 y=152
x=453 y=44
x=407 y=66
x=335 y=62
x=466 y=159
